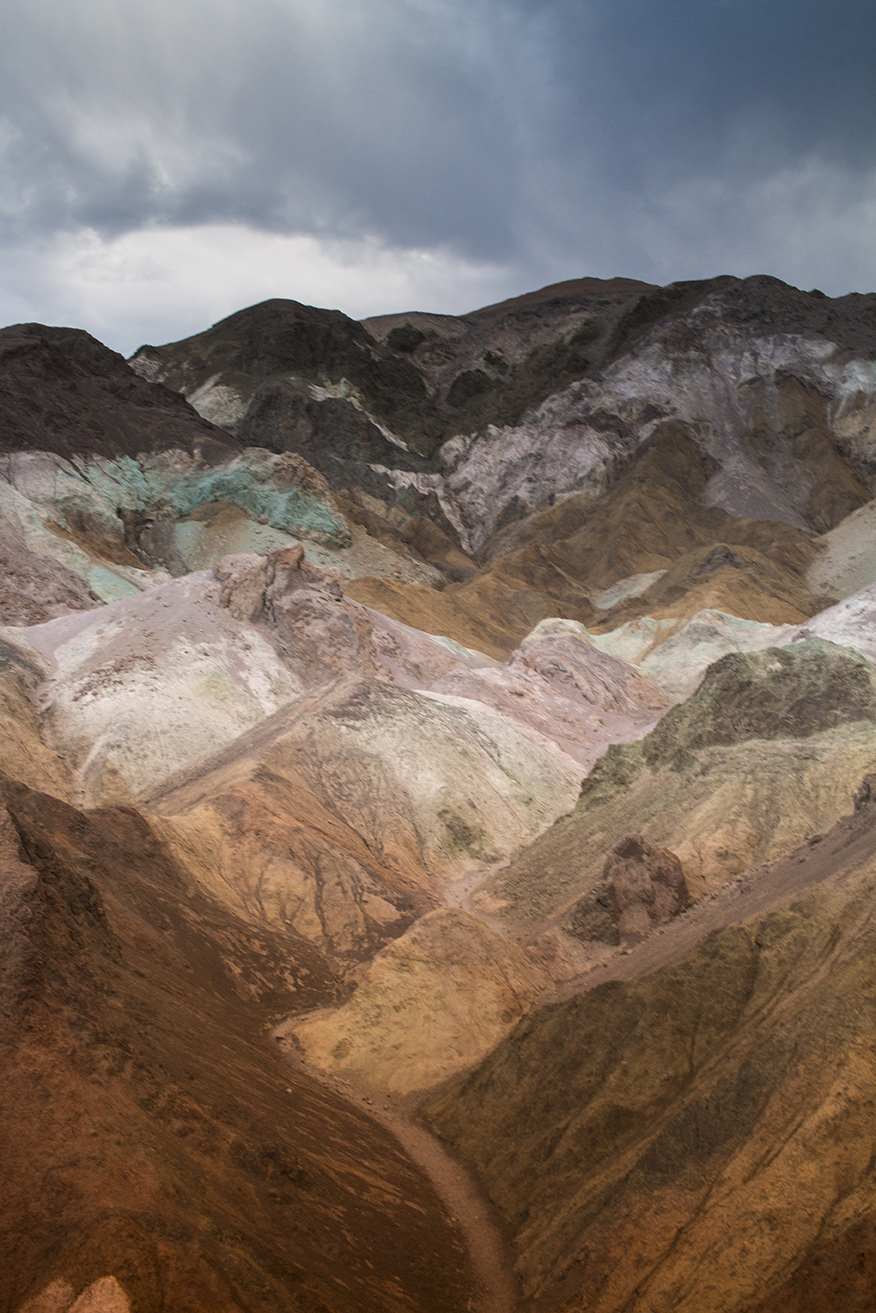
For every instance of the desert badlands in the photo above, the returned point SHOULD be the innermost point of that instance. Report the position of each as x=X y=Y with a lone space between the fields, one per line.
x=439 y=809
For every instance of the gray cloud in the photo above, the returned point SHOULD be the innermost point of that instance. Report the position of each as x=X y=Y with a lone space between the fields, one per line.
x=382 y=115
x=654 y=138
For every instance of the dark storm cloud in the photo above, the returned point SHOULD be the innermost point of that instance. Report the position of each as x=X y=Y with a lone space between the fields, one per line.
x=422 y=121
x=674 y=79
x=543 y=138
x=384 y=115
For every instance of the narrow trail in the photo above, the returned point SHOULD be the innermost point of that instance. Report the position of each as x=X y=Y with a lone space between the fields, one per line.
x=490 y=1255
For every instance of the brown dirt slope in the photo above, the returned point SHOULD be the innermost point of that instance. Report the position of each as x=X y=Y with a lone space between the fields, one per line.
x=433 y=1002
x=653 y=516
x=24 y=754
x=345 y=814
x=407 y=534
x=651 y=520
x=491 y=614
x=261 y=841
x=763 y=755
x=738 y=580
x=797 y=414
x=699 y=1138
x=150 y=1129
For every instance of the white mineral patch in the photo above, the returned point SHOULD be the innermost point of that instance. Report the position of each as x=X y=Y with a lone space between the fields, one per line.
x=631 y=642
x=218 y=403
x=151 y=685
x=672 y=658
x=448 y=780
x=851 y=623
x=678 y=664
x=847 y=561
x=633 y=586
x=853 y=412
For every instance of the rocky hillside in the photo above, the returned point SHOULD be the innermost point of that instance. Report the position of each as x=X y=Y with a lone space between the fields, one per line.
x=437 y=827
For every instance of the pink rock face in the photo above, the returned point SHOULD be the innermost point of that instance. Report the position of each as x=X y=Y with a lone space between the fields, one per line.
x=319 y=633
x=642 y=887
x=569 y=691
x=244 y=578
x=302 y=606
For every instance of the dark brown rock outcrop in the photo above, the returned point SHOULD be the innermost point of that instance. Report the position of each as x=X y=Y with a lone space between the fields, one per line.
x=64 y=392
x=268 y=351
x=642 y=886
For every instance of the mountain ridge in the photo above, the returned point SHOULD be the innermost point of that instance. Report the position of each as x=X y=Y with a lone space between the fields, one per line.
x=471 y=707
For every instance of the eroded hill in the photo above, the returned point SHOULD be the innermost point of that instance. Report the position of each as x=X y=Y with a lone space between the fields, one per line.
x=453 y=718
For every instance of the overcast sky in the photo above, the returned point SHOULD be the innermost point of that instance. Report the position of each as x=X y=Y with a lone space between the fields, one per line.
x=166 y=162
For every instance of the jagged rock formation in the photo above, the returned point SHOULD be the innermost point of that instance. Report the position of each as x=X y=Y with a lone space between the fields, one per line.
x=653 y=521
x=641 y=887
x=293 y=374
x=301 y=674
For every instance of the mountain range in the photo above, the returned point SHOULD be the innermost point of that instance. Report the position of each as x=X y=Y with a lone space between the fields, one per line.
x=437 y=808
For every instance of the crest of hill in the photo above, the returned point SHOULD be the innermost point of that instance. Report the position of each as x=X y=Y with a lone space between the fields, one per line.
x=545 y=399
x=62 y=391
x=252 y=353
x=423 y=377
x=762 y=302
x=738 y=580
x=568 y=290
